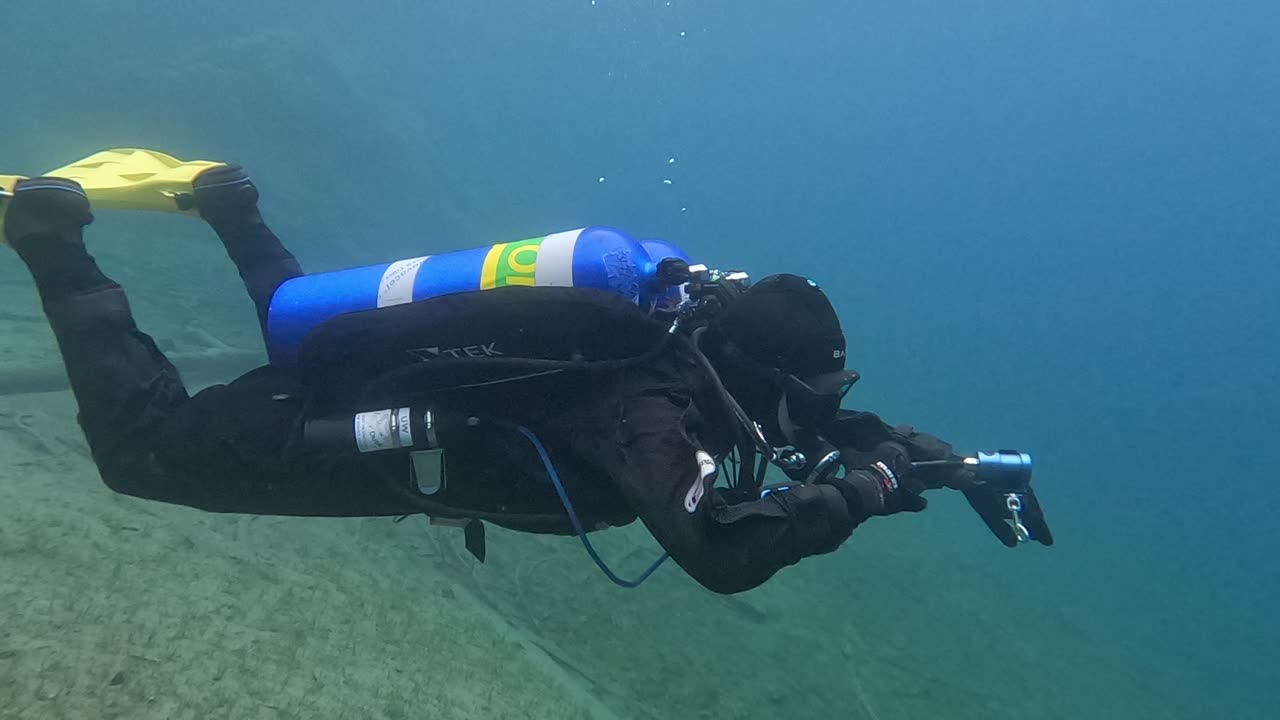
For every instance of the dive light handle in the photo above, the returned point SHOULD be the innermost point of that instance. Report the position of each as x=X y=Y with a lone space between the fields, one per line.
x=1004 y=471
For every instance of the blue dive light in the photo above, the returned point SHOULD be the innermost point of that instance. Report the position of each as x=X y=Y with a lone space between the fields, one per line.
x=1003 y=470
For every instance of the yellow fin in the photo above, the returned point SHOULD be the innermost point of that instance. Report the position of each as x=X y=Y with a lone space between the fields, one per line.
x=136 y=179
x=7 y=183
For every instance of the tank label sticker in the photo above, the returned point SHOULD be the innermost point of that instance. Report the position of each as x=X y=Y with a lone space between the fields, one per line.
x=555 y=259
x=396 y=287
x=382 y=430
x=512 y=263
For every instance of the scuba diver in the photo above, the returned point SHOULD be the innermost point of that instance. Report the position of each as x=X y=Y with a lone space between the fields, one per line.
x=560 y=385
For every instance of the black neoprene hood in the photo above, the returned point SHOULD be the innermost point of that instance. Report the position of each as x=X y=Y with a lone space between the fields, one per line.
x=786 y=322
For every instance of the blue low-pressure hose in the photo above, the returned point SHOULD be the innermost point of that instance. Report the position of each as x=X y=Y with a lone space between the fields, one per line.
x=577 y=524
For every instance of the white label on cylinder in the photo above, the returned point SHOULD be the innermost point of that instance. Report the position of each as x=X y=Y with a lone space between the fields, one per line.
x=402 y=425
x=396 y=287
x=382 y=430
x=555 y=259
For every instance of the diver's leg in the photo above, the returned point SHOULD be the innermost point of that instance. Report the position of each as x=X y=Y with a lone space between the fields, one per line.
x=124 y=386
x=228 y=201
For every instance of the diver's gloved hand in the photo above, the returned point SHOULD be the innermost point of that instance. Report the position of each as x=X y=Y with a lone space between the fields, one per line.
x=992 y=506
x=880 y=482
x=223 y=191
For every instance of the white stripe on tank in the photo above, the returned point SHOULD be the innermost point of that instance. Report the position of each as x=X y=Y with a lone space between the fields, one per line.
x=555 y=260
x=396 y=287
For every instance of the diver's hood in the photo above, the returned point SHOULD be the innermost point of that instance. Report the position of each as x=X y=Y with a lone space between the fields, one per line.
x=782 y=352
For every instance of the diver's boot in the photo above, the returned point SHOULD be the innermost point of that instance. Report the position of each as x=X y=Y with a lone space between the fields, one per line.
x=7 y=184
x=223 y=193
x=44 y=222
x=34 y=207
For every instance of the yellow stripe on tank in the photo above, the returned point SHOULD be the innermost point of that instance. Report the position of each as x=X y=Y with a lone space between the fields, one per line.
x=489 y=272
x=516 y=263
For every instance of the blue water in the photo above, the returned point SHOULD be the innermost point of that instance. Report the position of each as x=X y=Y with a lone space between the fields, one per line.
x=1050 y=226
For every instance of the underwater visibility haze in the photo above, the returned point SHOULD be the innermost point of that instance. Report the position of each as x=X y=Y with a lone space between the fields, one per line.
x=1046 y=226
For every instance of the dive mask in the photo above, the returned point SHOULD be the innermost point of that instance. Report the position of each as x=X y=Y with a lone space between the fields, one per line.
x=805 y=403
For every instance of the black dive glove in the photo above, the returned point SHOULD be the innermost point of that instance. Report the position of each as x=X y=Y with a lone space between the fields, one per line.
x=883 y=482
x=880 y=482
x=992 y=505
x=859 y=431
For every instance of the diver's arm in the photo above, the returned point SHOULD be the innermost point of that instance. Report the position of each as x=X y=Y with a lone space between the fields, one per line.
x=726 y=547
x=858 y=433
x=865 y=431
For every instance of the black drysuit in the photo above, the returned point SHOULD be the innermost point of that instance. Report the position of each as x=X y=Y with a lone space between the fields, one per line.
x=625 y=441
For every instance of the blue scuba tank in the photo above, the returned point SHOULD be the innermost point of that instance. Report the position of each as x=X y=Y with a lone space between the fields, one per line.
x=597 y=257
